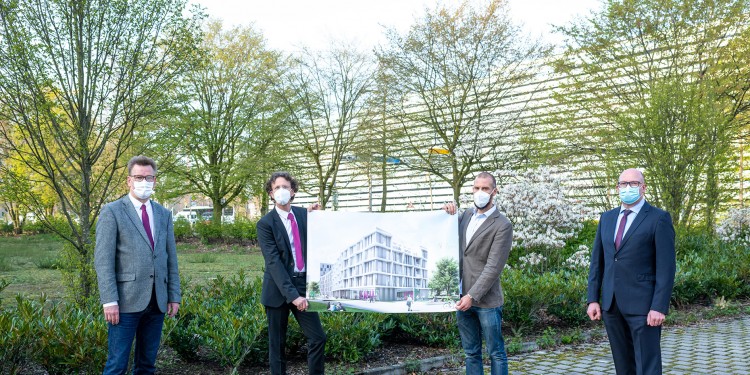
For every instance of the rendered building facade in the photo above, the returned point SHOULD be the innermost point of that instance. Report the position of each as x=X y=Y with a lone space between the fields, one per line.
x=377 y=267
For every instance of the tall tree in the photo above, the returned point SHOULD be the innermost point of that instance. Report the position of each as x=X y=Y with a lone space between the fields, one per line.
x=455 y=72
x=77 y=78
x=660 y=85
x=224 y=136
x=324 y=96
x=378 y=145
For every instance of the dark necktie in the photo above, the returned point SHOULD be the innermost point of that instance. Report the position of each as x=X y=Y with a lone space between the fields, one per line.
x=621 y=228
x=147 y=225
x=297 y=243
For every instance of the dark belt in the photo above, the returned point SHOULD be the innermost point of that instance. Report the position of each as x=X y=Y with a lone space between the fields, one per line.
x=300 y=275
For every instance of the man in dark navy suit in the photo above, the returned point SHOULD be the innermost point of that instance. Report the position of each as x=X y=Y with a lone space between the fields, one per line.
x=632 y=273
x=282 y=236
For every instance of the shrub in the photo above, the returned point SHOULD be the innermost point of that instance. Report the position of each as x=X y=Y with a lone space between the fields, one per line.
x=429 y=329
x=542 y=214
x=225 y=318
x=720 y=270
x=352 y=336
x=208 y=232
x=242 y=230
x=74 y=340
x=19 y=333
x=182 y=229
x=538 y=300
x=6 y=228
x=736 y=226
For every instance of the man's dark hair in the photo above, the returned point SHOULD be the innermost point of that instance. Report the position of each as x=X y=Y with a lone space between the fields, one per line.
x=490 y=176
x=142 y=161
x=276 y=175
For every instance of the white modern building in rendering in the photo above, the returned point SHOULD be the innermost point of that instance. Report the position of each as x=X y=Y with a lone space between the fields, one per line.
x=377 y=267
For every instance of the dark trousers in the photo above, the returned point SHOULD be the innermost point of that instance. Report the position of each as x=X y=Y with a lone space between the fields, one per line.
x=636 y=346
x=278 y=321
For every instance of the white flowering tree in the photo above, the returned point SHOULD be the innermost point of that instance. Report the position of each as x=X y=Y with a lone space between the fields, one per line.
x=736 y=227
x=543 y=213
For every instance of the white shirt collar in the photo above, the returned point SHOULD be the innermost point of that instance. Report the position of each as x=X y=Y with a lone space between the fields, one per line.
x=283 y=214
x=137 y=204
x=636 y=208
x=486 y=213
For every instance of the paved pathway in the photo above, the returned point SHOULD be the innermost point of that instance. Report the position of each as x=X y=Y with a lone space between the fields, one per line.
x=709 y=348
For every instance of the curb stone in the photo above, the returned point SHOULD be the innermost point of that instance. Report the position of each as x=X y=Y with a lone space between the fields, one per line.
x=426 y=364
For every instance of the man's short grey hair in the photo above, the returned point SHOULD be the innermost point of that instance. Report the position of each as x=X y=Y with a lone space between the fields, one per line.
x=142 y=161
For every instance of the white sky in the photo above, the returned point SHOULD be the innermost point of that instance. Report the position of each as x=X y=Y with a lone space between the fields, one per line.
x=290 y=24
x=331 y=232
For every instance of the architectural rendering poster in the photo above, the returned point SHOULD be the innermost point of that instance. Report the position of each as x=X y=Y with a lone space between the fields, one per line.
x=395 y=262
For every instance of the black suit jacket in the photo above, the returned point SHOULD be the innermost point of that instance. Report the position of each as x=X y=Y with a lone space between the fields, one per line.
x=640 y=275
x=278 y=287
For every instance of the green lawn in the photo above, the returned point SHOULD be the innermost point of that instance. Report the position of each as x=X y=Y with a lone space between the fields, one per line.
x=27 y=263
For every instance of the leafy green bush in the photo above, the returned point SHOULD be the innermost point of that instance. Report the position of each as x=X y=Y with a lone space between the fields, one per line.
x=208 y=232
x=242 y=230
x=74 y=340
x=6 y=228
x=19 y=333
x=539 y=300
x=437 y=329
x=225 y=318
x=716 y=269
x=36 y=227
x=352 y=336
x=64 y=339
x=182 y=229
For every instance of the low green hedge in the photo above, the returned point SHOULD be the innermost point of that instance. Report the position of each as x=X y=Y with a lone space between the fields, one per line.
x=241 y=231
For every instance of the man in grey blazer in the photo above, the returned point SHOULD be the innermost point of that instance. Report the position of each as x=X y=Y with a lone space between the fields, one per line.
x=632 y=274
x=136 y=266
x=485 y=238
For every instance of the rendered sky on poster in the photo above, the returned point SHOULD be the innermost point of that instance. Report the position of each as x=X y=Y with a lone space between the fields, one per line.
x=331 y=233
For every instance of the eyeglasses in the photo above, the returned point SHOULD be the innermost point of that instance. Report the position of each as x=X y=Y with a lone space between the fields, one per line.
x=624 y=184
x=148 y=178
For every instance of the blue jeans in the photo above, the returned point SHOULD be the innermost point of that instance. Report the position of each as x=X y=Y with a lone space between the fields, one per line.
x=472 y=325
x=145 y=327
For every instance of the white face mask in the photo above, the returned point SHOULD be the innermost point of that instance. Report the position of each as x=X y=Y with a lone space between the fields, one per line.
x=143 y=189
x=282 y=196
x=481 y=199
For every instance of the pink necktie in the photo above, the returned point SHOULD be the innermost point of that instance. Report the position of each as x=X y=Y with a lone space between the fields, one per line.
x=621 y=229
x=297 y=243
x=147 y=225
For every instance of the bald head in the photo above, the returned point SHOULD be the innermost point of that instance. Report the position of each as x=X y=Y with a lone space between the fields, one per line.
x=632 y=174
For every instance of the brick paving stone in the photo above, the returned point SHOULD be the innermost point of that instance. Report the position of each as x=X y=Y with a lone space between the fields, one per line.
x=721 y=347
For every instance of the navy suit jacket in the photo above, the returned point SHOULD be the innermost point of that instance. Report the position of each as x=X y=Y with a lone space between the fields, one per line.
x=278 y=287
x=640 y=275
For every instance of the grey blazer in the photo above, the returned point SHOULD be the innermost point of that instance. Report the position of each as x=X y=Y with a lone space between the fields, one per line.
x=126 y=268
x=483 y=259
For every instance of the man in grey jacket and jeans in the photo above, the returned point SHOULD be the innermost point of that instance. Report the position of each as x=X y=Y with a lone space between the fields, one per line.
x=485 y=237
x=136 y=266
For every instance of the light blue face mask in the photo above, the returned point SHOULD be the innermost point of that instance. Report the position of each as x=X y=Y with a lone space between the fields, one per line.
x=630 y=195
